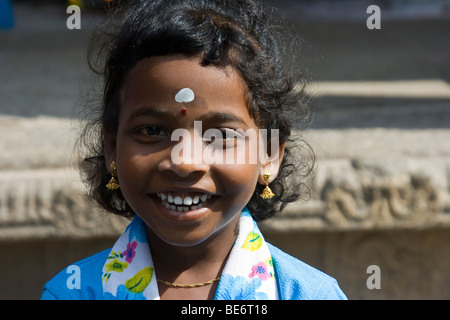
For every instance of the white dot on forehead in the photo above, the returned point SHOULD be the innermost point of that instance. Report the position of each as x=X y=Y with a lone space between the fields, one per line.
x=185 y=95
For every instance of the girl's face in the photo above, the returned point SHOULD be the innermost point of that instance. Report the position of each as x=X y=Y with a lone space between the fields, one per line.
x=182 y=203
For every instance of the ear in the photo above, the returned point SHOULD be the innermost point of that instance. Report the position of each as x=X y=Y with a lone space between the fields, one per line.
x=272 y=164
x=109 y=139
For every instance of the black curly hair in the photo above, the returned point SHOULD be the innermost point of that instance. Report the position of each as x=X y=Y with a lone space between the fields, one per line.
x=221 y=33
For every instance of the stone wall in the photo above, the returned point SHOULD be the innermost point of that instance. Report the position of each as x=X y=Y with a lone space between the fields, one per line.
x=382 y=190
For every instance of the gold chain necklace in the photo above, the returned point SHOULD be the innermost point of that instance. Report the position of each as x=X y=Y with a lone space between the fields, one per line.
x=194 y=285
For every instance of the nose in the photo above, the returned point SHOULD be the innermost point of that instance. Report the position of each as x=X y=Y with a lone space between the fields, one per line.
x=186 y=157
x=183 y=170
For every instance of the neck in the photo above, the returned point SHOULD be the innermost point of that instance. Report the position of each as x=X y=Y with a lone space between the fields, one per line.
x=196 y=263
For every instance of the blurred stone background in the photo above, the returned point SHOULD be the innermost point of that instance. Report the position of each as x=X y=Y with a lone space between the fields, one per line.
x=381 y=135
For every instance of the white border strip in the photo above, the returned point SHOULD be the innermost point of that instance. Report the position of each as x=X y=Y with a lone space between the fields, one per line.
x=416 y=89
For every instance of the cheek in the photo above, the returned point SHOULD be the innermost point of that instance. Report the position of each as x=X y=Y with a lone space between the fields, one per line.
x=240 y=179
x=132 y=180
x=133 y=165
x=238 y=182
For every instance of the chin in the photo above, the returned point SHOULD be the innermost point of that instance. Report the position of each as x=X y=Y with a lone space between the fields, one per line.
x=192 y=236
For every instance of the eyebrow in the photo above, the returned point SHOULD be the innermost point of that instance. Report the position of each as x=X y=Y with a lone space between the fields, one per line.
x=151 y=112
x=219 y=117
x=223 y=117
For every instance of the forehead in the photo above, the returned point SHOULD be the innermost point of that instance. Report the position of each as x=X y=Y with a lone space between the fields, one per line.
x=161 y=78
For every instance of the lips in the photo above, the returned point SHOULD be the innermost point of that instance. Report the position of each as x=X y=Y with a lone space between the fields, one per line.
x=183 y=202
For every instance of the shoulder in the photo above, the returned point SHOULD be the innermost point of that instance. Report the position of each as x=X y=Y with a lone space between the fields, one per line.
x=299 y=281
x=79 y=281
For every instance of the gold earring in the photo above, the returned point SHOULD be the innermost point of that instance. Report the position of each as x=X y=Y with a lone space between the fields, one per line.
x=113 y=184
x=267 y=192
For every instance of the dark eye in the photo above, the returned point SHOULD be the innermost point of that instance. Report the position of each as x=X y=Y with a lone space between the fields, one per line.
x=221 y=138
x=230 y=134
x=152 y=131
x=224 y=134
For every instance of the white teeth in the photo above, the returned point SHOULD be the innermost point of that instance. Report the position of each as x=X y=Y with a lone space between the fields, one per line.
x=187 y=201
x=177 y=200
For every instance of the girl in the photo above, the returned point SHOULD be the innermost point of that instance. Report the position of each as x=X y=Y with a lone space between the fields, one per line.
x=170 y=66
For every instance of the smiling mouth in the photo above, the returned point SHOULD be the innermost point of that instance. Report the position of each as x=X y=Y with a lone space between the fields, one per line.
x=183 y=202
